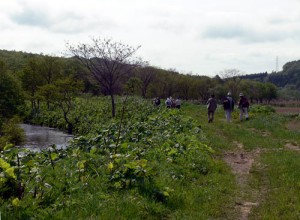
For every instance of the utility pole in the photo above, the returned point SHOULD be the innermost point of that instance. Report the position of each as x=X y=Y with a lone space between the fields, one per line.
x=276 y=64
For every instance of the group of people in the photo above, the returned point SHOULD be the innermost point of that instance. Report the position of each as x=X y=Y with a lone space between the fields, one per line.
x=228 y=106
x=170 y=102
x=173 y=103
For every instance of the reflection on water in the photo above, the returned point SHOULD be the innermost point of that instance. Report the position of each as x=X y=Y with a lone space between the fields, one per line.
x=38 y=137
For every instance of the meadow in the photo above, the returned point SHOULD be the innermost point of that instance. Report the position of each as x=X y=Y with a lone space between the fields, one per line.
x=155 y=163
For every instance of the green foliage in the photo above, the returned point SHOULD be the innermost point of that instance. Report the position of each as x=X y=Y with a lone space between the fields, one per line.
x=11 y=132
x=155 y=165
x=11 y=94
x=265 y=109
x=282 y=200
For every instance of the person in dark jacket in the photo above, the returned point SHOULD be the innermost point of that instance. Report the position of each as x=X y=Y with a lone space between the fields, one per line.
x=228 y=105
x=157 y=101
x=244 y=107
x=211 y=108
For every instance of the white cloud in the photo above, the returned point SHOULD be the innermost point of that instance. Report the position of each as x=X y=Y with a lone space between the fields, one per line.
x=199 y=36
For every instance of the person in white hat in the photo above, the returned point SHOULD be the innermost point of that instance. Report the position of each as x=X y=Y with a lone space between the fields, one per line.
x=244 y=107
x=228 y=105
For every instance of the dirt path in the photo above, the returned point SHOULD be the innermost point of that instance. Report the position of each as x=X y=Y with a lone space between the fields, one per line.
x=241 y=162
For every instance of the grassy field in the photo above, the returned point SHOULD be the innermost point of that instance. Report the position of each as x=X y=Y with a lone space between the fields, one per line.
x=271 y=142
x=157 y=163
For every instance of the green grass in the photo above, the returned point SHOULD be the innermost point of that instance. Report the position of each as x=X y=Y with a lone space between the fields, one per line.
x=283 y=189
x=275 y=178
x=168 y=165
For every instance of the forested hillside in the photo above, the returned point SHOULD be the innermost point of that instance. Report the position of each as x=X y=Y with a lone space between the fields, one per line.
x=288 y=77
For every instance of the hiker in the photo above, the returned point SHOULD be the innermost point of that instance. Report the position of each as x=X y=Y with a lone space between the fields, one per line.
x=211 y=108
x=172 y=102
x=243 y=106
x=177 y=103
x=228 y=105
x=168 y=102
x=157 y=101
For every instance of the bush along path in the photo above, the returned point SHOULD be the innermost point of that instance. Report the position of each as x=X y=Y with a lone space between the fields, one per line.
x=263 y=154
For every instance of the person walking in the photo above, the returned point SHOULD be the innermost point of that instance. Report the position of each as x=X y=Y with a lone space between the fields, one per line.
x=244 y=107
x=177 y=103
x=168 y=102
x=211 y=108
x=157 y=101
x=228 y=105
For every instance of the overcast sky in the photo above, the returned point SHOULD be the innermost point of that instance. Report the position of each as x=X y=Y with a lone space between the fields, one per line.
x=201 y=37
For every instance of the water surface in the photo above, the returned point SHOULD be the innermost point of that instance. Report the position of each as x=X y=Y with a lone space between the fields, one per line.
x=38 y=137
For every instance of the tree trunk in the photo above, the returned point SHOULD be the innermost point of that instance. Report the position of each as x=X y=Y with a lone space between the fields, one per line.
x=144 y=90
x=113 y=107
x=70 y=128
x=69 y=124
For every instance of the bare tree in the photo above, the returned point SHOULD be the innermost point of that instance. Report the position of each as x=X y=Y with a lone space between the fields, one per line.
x=108 y=61
x=230 y=73
x=232 y=80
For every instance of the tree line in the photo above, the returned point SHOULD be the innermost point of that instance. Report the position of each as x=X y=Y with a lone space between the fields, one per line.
x=106 y=67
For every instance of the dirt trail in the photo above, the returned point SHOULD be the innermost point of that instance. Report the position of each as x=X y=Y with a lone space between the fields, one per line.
x=292 y=146
x=241 y=162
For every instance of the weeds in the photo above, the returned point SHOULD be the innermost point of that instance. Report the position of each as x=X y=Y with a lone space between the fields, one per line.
x=155 y=166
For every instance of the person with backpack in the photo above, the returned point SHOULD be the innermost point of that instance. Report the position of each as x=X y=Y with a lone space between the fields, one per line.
x=168 y=102
x=244 y=107
x=157 y=101
x=211 y=108
x=177 y=103
x=228 y=105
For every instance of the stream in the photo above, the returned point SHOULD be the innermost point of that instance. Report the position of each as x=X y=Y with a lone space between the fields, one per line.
x=38 y=137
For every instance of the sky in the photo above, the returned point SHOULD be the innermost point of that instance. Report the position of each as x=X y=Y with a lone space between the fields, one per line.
x=203 y=37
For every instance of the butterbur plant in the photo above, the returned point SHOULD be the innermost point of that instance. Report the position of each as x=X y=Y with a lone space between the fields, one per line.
x=8 y=180
x=127 y=172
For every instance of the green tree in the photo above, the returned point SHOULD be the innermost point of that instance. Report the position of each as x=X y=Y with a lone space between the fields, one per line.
x=11 y=93
x=204 y=87
x=31 y=80
x=146 y=75
x=270 y=92
x=51 y=68
x=62 y=94
x=184 y=86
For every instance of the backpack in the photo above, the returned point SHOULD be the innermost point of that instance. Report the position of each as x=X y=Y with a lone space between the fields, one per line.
x=157 y=101
x=244 y=103
x=226 y=104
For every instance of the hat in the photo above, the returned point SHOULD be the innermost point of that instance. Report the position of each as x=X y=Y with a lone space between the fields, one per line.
x=241 y=94
x=229 y=93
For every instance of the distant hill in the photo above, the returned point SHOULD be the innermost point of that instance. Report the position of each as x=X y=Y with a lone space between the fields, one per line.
x=15 y=60
x=289 y=76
